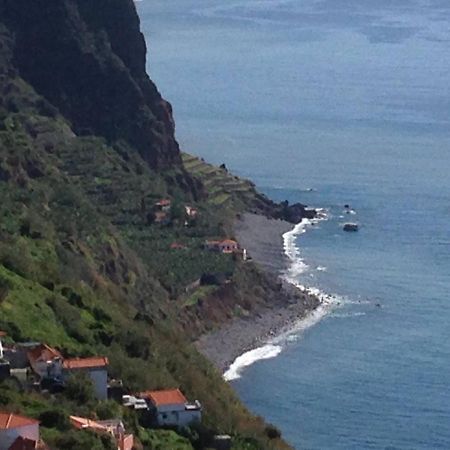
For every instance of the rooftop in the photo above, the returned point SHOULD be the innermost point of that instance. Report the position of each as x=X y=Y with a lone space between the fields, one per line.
x=165 y=397
x=85 y=363
x=43 y=351
x=163 y=202
x=10 y=420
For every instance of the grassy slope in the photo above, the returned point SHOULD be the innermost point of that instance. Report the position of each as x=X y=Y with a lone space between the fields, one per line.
x=78 y=262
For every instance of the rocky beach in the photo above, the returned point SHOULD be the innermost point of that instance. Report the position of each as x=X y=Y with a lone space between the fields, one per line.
x=263 y=239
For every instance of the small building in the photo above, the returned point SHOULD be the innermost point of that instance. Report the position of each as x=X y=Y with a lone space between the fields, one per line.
x=96 y=368
x=16 y=429
x=45 y=361
x=163 y=205
x=114 y=427
x=171 y=408
x=191 y=212
x=225 y=246
x=221 y=442
x=228 y=246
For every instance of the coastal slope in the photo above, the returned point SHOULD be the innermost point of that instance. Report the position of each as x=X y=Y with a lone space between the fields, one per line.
x=87 y=152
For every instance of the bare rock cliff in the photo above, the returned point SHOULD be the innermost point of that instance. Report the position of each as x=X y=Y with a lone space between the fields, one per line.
x=90 y=64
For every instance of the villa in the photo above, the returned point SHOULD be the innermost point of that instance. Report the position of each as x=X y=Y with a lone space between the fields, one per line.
x=171 y=408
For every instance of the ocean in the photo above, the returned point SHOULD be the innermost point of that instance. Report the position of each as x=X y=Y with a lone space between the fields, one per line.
x=333 y=102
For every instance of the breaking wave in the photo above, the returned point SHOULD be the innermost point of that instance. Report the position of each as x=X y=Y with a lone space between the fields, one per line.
x=247 y=359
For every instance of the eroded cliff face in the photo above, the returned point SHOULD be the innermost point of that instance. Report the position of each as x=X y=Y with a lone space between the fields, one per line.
x=90 y=64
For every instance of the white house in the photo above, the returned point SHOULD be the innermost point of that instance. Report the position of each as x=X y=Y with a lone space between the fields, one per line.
x=97 y=369
x=171 y=408
x=13 y=427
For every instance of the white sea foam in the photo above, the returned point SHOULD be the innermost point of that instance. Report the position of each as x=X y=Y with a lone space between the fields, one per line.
x=247 y=359
x=275 y=345
x=321 y=268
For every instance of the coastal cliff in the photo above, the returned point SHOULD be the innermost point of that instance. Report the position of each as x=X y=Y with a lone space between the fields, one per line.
x=89 y=263
x=89 y=62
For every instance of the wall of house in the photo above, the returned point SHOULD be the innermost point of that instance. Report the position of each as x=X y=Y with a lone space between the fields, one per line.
x=7 y=437
x=99 y=378
x=177 y=415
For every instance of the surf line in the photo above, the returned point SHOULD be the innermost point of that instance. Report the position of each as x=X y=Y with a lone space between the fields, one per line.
x=274 y=346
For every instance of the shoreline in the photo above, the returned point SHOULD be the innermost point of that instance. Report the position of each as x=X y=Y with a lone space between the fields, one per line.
x=264 y=240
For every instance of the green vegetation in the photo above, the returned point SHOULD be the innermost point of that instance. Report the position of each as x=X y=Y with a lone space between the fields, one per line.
x=85 y=270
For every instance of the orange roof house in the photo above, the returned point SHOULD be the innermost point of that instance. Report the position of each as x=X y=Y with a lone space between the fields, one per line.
x=224 y=246
x=171 y=408
x=15 y=426
x=113 y=427
x=163 y=205
x=97 y=369
x=228 y=246
x=45 y=361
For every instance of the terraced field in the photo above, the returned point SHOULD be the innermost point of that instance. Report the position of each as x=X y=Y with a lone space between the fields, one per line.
x=224 y=189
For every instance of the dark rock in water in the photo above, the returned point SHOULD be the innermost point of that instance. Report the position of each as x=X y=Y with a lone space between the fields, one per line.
x=294 y=213
x=346 y=206
x=90 y=64
x=351 y=227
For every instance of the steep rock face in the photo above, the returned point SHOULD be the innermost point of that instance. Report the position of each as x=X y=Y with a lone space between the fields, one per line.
x=90 y=63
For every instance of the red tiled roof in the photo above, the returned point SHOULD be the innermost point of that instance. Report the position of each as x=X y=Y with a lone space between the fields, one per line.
x=228 y=242
x=166 y=397
x=81 y=422
x=2 y=333
x=43 y=351
x=23 y=444
x=10 y=420
x=85 y=363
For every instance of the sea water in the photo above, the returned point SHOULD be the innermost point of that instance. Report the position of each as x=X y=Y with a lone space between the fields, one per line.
x=334 y=102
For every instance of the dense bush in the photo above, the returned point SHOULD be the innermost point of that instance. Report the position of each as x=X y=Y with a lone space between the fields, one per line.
x=79 y=388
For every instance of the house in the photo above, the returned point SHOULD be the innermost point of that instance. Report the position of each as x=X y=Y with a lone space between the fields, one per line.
x=45 y=361
x=96 y=368
x=2 y=335
x=171 y=408
x=225 y=246
x=163 y=205
x=191 y=212
x=114 y=427
x=16 y=430
x=228 y=246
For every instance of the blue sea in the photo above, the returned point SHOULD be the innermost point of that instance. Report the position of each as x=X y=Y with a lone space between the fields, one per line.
x=334 y=102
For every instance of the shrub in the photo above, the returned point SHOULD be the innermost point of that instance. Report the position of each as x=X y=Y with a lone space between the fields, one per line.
x=54 y=418
x=272 y=432
x=79 y=388
x=5 y=287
